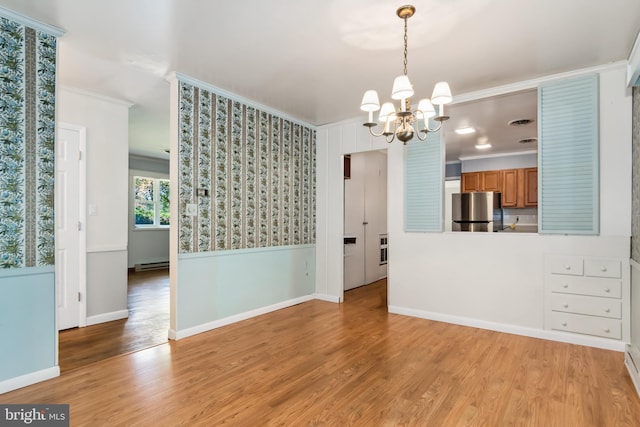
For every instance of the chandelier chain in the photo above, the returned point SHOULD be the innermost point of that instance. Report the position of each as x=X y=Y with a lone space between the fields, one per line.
x=405 y=46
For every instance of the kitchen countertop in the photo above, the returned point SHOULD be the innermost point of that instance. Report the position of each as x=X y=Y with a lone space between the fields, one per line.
x=521 y=228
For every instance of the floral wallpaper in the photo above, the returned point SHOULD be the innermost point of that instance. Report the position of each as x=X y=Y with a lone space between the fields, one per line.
x=27 y=143
x=258 y=170
x=635 y=201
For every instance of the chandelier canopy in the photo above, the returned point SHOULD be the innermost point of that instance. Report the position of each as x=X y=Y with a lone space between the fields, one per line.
x=401 y=123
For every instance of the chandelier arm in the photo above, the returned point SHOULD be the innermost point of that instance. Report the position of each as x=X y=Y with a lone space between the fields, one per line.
x=371 y=131
x=422 y=138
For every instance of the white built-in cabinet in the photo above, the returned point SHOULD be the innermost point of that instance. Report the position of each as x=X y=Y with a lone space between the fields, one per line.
x=588 y=295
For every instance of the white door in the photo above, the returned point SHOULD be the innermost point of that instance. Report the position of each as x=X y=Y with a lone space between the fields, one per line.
x=69 y=262
x=354 y=225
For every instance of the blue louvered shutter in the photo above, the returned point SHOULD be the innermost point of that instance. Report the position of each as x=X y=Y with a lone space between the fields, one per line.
x=568 y=156
x=424 y=184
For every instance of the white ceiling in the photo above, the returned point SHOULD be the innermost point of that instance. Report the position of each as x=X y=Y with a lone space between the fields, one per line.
x=313 y=59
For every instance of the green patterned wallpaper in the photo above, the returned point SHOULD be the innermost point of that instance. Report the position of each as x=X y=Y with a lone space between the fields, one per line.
x=27 y=145
x=258 y=169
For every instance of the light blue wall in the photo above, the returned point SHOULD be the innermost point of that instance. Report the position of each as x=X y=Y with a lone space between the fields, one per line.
x=27 y=321
x=501 y=162
x=215 y=285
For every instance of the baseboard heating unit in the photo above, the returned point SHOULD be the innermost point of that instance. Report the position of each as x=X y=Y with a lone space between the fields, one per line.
x=146 y=266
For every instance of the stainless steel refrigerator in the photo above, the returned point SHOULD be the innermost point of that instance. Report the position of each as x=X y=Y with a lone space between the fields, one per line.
x=478 y=211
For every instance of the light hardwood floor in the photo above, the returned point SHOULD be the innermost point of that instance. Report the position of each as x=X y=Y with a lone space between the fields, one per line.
x=320 y=363
x=146 y=326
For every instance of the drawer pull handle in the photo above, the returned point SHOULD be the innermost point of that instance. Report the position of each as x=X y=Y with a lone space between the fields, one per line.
x=565 y=286
x=607 y=290
x=567 y=267
x=603 y=268
x=564 y=323
x=607 y=310
x=607 y=330
x=565 y=305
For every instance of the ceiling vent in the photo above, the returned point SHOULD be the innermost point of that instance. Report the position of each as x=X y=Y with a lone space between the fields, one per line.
x=528 y=140
x=520 y=122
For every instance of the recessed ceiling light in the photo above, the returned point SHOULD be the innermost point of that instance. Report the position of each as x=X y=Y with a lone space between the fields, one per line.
x=520 y=122
x=465 y=131
x=483 y=146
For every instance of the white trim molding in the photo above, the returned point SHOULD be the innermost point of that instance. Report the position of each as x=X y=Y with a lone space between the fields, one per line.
x=177 y=335
x=329 y=298
x=633 y=65
x=565 y=337
x=29 y=379
x=107 y=317
x=114 y=248
x=204 y=85
x=31 y=23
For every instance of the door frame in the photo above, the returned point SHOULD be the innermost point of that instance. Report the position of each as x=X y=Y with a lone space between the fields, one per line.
x=82 y=218
x=342 y=209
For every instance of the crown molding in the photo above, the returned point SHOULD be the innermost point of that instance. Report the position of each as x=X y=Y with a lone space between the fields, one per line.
x=31 y=23
x=534 y=83
x=176 y=76
x=633 y=65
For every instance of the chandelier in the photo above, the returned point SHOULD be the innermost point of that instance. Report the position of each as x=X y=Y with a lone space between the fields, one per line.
x=400 y=123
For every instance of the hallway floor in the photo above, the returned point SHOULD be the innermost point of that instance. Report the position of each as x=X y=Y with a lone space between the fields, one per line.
x=147 y=325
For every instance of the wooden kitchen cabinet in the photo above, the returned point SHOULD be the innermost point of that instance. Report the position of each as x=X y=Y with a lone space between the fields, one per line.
x=530 y=187
x=510 y=188
x=520 y=188
x=471 y=181
x=481 y=181
x=491 y=180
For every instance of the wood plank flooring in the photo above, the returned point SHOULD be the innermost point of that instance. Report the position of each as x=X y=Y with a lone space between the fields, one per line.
x=147 y=325
x=324 y=364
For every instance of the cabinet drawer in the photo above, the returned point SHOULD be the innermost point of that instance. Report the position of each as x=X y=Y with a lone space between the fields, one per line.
x=610 y=288
x=594 y=306
x=566 y=265
x=602 y=268
x=590 y=325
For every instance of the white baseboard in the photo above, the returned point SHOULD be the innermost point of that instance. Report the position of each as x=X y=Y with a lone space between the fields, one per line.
x=107 y=317
x=177 y=335
x=631 y=357
x=325 y=297
x=565 y=337
x=29 y=379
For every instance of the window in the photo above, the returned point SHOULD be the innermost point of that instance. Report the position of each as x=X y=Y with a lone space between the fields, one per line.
x=151 y=202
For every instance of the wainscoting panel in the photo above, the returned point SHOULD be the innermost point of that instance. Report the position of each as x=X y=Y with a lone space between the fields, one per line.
x=221 y=284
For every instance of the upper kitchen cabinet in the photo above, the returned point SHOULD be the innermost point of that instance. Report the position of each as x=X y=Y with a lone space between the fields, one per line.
x=481 y=181
x=491 y=181
x=470 y=182
x=520 y=188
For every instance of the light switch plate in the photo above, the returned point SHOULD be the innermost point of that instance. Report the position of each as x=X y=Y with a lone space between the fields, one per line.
x=192 y=209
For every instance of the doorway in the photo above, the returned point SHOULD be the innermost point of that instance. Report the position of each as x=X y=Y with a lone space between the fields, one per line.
x=365 y=218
